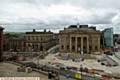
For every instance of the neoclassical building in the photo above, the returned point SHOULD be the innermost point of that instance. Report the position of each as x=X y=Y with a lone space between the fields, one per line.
x=14 y=42
x=39 y=41
x=79 y=38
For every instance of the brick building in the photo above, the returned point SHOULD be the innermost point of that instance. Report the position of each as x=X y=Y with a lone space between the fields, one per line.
x=1 y=43
x=14 y=42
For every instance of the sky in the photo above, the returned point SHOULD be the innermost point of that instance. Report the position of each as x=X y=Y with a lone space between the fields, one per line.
x=24 y=15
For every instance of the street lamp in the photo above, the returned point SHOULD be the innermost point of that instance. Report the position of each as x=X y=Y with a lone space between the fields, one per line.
x=38 y=61
x=81 y=68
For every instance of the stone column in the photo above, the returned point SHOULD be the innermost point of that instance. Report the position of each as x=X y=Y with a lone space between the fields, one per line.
x=99 y=43
x=76 y=48
x=82 y=43
x=87 y=44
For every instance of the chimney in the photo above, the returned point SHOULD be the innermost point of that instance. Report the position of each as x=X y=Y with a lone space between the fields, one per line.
x=83 y=26
x=77 y=25
x=34 y=30
x=92 y=27
x=44 y=30
x=73 y=26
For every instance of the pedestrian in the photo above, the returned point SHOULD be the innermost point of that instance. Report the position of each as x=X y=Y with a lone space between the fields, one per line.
x=49 y=75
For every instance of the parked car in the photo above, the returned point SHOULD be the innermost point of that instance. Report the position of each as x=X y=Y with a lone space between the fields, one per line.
x=108 y=53
x=40 y=66
x=101 y=60
x=63 y=67
x=72 y=68
x=47 y=68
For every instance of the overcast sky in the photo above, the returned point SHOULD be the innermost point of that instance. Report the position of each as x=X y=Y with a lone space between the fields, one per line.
x=23 y=15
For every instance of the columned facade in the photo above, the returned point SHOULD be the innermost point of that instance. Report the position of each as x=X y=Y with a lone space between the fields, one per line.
x=80 y=40
x=79 y=43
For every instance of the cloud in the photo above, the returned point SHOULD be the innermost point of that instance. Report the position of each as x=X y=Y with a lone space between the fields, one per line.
x=26 y=14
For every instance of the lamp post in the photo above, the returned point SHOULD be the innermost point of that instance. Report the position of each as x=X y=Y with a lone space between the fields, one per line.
x=38 y=61
x=81 y=68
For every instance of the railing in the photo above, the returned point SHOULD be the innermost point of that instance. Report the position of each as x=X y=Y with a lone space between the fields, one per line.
x=61 y=72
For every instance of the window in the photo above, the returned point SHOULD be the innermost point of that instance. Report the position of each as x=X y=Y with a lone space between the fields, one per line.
x=96 y=48
x=62 y=47
x=41 y=48
x=29 y=45
x=28 y=37
x=33 y=37
x=67 y=47
x=37 y=38
x=90 y=48
x=73 y=47
x=73 y=40
x=41 y=39
x=33 y=46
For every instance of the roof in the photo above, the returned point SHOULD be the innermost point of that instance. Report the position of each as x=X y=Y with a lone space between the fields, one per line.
x=80 y=30
x=1 y=28
x=39 y=32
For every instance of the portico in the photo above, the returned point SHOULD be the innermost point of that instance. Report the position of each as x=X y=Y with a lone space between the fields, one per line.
x=82 y=39
x=79 y=43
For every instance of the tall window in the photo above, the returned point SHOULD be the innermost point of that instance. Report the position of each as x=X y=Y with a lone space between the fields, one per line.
x=67 y=47
x=62 y=47
x=73 y=48
x=96 y=48
x=73 y=40
x=41 y=39
x=28 y=37
x=37 y=38
x=90 y=48
x=41 y=48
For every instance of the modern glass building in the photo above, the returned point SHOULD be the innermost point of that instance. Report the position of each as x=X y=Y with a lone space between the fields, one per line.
x=108 y=37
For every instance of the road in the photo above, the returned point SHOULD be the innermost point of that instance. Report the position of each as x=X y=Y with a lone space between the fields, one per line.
x=114 y=57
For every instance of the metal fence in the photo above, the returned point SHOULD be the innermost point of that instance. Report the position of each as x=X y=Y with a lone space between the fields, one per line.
x=69 y=75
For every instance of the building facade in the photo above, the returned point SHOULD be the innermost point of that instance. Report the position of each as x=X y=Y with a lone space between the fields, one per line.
x=1 y=43
x=14 y=42
x=39 y=41
x=79 y=38
x=17 y=44
x=108 y=37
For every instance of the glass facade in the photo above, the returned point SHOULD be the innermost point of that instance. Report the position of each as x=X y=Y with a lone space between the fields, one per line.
x=108 y=37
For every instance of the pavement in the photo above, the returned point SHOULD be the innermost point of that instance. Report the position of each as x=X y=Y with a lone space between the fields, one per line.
x=115 y=58
x=10 y=70
x=89 y=63
x=117 y=54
